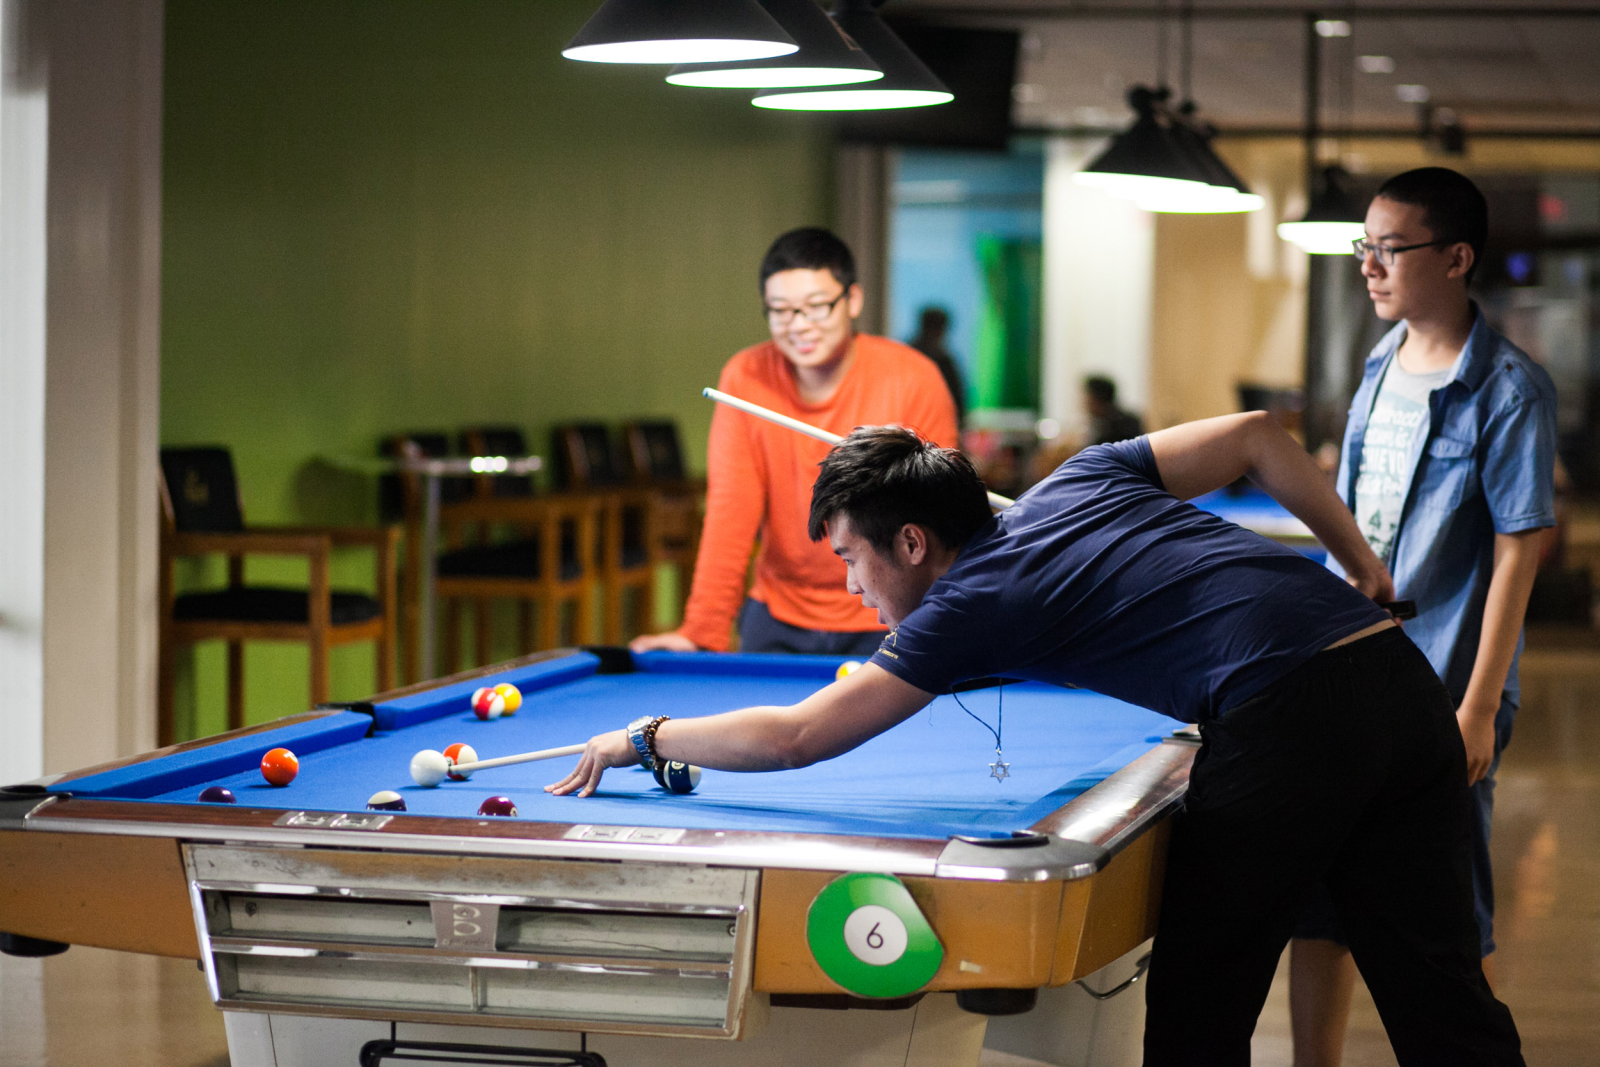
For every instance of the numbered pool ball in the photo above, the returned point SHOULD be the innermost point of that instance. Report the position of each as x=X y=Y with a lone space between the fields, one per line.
x=498 y=806
x=677 y=777
x=848 y=667
x=279 y=766
x=386 y=800
x=460 y=752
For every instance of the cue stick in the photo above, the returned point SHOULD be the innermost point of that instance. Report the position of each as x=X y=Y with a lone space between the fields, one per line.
x=525 y=757
x=996 y=501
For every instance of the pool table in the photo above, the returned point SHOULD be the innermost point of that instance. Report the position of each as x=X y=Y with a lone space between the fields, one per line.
x=636 y=911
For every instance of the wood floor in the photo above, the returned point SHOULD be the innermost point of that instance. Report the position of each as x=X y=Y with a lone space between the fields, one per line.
x=90 y=1007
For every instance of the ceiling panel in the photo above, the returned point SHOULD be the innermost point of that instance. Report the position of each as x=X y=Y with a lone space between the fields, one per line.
x=1493 y=71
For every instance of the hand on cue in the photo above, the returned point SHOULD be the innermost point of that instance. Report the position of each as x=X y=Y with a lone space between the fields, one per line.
x=603 y=750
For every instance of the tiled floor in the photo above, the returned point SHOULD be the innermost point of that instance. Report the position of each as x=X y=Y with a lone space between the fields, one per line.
x=90 y=1007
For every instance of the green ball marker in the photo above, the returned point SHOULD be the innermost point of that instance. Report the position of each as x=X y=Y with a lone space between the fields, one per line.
x=867 y=934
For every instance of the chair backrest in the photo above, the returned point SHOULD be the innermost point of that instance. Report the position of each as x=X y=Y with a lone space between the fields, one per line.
x=201 y=490
x=653 y=452
x=584 y=456
x=400 y=495
x=498 y=441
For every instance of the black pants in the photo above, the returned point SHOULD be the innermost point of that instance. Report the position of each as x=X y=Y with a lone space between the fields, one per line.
x=1350 y=772
x=760 y=632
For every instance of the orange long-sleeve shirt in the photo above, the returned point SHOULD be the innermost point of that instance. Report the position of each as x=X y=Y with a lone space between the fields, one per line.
x=760 y=478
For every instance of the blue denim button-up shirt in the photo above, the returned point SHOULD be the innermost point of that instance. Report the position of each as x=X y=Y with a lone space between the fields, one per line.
x=1486 y=466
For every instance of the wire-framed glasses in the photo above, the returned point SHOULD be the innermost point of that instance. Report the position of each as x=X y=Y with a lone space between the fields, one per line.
x=1386 y=253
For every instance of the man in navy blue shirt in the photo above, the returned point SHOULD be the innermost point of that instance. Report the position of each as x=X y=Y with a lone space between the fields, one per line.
x=1330 y=754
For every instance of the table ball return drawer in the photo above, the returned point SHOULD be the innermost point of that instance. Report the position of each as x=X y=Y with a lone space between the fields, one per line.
x=558 y=945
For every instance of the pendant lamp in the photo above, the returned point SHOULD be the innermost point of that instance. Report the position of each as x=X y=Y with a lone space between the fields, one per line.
x=1332 y=221
x=906 y=81
x=827 y=56
x=1225 y=191
x=678 y=31
x=1144 y=160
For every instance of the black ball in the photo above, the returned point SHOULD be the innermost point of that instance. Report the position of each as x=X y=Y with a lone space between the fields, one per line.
x=217 y=794
x=677 y=777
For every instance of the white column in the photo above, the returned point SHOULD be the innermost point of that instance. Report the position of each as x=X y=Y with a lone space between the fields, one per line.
x=102 y=373
x=1099 y=255
x=24 y=125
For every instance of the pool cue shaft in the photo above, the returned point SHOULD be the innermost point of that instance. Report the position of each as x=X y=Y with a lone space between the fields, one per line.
x=996 y=501
x=523 y=757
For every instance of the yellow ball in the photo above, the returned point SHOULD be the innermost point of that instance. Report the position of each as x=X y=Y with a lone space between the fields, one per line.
x=849 y=666
x=512 y=696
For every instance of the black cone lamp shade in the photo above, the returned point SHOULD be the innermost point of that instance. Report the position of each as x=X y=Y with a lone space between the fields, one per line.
x=1333 y=220
x=1145 y=159
x=906 y=81
x=827 y=56
x=679 y=31
x=1225 y=191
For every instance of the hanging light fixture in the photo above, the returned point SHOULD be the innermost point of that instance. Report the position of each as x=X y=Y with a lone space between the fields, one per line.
x=679 y=31
x=906 y=81
x=1164 y=162
x=1333 y=220
x=1225 y=191
x=1145 y=161
x=827 y=56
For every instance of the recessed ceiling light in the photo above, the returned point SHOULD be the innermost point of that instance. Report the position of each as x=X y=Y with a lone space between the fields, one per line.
x=1333 y=28
x=1375 y=64
x=1413 y=94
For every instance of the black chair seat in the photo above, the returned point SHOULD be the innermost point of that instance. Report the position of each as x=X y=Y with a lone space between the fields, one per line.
x=260 y=603
x=510 y=559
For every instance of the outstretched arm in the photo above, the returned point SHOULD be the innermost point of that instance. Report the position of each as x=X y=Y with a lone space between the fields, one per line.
x=1199 y=457
x=826 y=724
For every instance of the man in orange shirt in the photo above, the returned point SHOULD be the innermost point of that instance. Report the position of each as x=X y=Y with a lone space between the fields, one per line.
x=817 y=369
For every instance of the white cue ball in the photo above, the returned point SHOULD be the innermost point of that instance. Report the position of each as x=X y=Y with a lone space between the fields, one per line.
x=428 y=768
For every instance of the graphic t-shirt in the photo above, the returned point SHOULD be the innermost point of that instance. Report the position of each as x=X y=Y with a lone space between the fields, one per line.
x=1399 y=420
x=1100 y=578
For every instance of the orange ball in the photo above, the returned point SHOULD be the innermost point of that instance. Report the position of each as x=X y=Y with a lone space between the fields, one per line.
x=279 y=766
x=460 y=752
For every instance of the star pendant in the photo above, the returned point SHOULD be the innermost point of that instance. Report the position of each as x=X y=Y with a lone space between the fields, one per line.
x=999 y=769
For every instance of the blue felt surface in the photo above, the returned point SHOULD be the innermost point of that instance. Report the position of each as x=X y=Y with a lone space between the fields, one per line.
x=1252 y=503
x=928 y=777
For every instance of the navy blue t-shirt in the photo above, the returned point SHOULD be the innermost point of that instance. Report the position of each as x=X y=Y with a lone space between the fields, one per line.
x=1100 y=578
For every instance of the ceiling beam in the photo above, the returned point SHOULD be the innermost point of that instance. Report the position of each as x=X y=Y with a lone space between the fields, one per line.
x=1149 y=12
x=1381 y=133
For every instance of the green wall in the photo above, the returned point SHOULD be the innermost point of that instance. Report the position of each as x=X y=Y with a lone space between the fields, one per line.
x=385 y=215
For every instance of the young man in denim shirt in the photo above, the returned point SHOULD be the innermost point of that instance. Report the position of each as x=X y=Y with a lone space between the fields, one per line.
x=1448 y=466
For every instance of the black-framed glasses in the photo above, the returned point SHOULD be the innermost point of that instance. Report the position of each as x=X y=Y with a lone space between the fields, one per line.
x=1386 y=253
x=811 y=312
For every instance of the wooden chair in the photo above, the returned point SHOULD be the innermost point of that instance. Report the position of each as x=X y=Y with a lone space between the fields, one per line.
x=548 y=559
x=202 y=515
x=586 y=462
x=654 y=458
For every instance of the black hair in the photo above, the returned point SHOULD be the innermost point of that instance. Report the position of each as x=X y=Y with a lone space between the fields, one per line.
x=882 y=477
x=1101 y=388
x=809 y=248
x=1453 y=209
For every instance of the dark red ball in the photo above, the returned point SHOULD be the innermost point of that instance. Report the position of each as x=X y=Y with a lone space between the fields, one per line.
x=497 y=806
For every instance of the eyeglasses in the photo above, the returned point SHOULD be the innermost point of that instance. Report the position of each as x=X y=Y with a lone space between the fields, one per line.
x=1386 y=253
x=811 y=312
